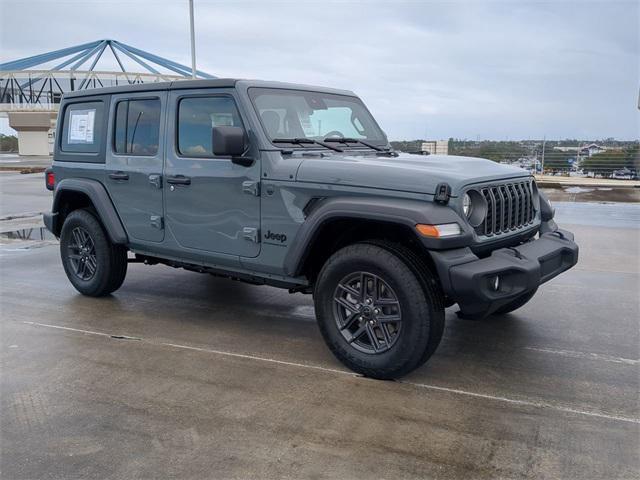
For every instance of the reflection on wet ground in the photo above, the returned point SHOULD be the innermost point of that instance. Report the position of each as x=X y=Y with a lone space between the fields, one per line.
x=613 y=215
x=592 y=194
x=39 y=233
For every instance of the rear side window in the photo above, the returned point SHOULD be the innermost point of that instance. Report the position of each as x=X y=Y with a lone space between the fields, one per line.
x=83 y=127
x=197 y=116
x=137 y=127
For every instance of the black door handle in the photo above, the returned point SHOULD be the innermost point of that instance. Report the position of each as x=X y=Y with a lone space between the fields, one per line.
x=179 y=180
x=119 y=176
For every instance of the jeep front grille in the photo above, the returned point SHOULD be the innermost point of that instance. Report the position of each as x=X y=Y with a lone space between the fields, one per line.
x=510 y=207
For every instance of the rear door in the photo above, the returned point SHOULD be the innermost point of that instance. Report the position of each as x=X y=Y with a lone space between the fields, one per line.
x=212 y=204
x=134 y=163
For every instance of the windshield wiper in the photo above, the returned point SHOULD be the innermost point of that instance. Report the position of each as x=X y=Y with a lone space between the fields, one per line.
x=307 y=141
x=355 y=140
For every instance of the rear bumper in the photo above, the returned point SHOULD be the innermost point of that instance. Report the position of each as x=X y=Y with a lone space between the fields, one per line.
x=469 y=280
x=50 y=222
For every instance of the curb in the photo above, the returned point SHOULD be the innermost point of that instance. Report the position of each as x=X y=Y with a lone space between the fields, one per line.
x=23 y=170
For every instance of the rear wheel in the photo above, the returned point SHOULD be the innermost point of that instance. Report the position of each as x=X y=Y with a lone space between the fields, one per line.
x=93 y=265
x=376 y=313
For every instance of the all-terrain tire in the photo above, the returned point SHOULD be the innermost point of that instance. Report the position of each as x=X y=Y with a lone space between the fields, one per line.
x=419 y=300
x=430 y=284
x=516 y=303
x=104 y=264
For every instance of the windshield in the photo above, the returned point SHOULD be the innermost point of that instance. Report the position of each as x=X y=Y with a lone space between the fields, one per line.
x=296 y=114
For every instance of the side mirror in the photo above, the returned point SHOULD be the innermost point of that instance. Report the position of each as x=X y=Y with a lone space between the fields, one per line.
x=227 y=141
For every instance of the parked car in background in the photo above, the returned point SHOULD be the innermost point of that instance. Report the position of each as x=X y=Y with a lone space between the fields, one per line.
x=624 y=174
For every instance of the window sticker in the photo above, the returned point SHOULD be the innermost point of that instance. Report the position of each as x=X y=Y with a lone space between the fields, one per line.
x=221 y=119
x=81 y=125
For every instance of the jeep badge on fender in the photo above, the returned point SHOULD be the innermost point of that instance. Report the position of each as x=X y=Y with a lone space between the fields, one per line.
x=278 y=237
x=385 y=241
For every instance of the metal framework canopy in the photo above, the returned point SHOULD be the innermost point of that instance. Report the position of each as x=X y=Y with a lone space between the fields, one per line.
x=40 y=80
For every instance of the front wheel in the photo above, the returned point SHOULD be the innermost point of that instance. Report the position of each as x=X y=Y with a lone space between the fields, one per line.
x=378 y=314
x=93 y=265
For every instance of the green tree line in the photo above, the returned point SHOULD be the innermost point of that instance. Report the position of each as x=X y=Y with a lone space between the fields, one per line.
x=8 y=143
x=607 y=162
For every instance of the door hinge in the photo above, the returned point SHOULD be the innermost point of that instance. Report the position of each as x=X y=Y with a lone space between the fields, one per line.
x=251 y=187
x=252 y=234
x=156 y=222
x=155 y=180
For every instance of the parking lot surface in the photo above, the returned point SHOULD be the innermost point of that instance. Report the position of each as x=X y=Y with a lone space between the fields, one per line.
x=187 y=376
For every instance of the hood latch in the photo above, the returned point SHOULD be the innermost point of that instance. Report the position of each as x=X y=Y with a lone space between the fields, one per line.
x=443 y=193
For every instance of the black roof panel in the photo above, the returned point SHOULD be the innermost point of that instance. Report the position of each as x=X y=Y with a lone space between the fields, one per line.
x=154 y=86
x=206 y=83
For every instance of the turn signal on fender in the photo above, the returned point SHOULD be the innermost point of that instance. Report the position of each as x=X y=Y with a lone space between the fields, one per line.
x=439 y=231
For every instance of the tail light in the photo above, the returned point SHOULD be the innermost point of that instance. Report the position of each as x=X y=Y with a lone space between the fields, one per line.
x=49 y=179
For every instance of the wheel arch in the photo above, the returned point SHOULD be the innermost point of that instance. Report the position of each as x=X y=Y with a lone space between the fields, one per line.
x=72 y=194
x=336 y=222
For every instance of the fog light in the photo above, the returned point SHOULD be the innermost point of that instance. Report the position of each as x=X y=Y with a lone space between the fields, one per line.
x=495 y=283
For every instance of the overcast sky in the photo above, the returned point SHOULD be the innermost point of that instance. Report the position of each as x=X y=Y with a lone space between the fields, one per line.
x=465 y=69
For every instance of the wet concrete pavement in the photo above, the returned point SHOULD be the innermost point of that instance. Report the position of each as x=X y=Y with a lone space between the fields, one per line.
x=216 y=379
x=23 y=194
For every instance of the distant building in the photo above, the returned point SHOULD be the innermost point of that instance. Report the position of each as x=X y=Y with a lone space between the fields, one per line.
x=435 y=147
x=592 y=149
x=588 y=150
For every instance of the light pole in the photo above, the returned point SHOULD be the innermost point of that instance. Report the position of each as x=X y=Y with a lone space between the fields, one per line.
x=544 y=142
x=193 y=41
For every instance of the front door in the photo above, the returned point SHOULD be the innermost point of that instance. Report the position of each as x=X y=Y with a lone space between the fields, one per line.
x=211 y=203
x=134 y=163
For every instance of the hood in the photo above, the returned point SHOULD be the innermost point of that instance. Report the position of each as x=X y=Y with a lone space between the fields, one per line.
x=407 y=173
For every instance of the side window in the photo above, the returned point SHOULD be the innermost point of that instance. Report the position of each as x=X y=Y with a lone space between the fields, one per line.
x=82 y=129
x=197 y=116
x=137 y=127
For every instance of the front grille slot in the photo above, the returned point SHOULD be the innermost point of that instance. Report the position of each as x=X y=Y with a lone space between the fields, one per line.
x=509 y=207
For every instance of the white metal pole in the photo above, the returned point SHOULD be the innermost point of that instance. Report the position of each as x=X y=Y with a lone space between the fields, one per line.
x=193 y=41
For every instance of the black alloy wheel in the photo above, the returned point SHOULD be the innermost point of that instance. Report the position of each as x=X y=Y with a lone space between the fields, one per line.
x=82 y=254
x=367 y=312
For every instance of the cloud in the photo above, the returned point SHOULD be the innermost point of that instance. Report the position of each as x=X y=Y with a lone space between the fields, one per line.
x=497 y=69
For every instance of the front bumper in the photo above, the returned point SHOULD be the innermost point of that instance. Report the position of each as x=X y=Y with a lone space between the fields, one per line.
x=469 y=280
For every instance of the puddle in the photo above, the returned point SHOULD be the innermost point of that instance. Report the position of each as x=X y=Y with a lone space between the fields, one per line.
x=37 y=233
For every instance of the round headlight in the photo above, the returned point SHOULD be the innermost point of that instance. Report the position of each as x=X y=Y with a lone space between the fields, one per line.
x=466 y=204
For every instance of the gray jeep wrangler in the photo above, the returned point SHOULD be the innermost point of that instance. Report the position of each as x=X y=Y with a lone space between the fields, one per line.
x=297 y=187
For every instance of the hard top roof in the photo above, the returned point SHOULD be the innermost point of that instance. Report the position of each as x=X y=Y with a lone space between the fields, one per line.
x=194 y=84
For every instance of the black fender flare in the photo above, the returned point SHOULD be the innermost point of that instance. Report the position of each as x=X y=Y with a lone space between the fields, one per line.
x=101 y=201
x=406 y=212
